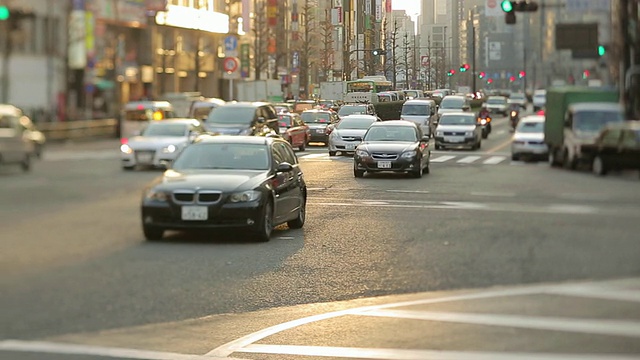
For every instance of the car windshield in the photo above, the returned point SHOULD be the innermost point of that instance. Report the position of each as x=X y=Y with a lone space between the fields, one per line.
x=223 y=156
x=531 y=127
x=496 y=101
x=352 y=109
x=391 y=133
x=594 y=121
x=457 y=120
x=517 y=97
x=231 y=115
x=452 y=103
x=415 y=109
x=355 y=123
x=316 y=117
x=284 y=120
x=164 y=129
x=202 y=112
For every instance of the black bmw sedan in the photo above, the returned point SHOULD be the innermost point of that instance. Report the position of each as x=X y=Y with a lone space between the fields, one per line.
x=397 y=146
x=240 y=182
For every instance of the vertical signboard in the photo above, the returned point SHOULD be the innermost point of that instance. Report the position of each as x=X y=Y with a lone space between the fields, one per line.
x=77 y=50
x=378 y=10
x=272 y=13
x=492 y=8
x=244 y=60
x=246 y=16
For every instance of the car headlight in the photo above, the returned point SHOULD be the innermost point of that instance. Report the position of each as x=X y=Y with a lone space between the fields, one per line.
x=362 y=153
x=245 y=196
x=334 y=134
x=409 y=154
x=483 y=121
x=126 y=149
x=439 y=133
x=155 y=195
x=468 y=133
x=245 y=132
x=169 y=149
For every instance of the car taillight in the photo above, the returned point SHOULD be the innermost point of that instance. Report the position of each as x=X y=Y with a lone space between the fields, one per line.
x=123 y=141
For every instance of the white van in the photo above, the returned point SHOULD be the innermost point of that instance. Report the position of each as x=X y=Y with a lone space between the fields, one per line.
x=422 y=112
x=539 y=99
x=15 y=147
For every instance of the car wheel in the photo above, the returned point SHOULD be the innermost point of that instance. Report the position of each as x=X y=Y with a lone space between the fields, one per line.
x=152 y=233
x=38 y=151
x=265 y=225
x=357 y=173
x=128 y=168
x=418 y=173
x=514 y=157
x=298 y=222
x=427 y=169
x=598 y=167
x=569 y=163
x=332 y=153
x=438 y=147
x=485 y=134
x=26 y=163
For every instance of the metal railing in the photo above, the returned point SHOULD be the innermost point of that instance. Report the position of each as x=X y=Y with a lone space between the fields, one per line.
x=81 y=129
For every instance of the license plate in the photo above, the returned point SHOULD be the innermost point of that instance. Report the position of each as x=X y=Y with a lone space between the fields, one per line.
x=350 y=146
x=144 y=157
x=384 y=164
x=197 y=213
x=455 y=139
x=320 y=131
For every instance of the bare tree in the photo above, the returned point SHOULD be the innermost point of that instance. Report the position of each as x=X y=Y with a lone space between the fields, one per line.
x=326 y=44
x=261 y=34
x=391 y=60
x=308 y=47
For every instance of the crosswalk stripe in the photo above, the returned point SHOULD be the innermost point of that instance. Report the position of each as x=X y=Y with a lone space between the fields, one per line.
x=442 y=158
x=468 y=159
x=494 y=160
x=315 y=156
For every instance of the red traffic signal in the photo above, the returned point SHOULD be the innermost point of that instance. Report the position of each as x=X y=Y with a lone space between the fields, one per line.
x=586 y=74
x=522 y=74
x=489 y=81
x=512 y=78
x=482 y=74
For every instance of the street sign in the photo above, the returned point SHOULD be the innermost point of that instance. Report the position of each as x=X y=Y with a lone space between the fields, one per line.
x=230 y=64
x=424 y=60
x=230 y=43
x=492 y=9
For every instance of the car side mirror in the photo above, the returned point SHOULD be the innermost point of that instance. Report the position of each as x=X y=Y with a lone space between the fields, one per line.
x=284 y=167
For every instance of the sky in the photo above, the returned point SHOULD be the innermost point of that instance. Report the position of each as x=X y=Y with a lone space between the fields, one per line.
x=411 y=6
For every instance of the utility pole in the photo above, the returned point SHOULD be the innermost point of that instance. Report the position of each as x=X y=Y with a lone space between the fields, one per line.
x=473 y=55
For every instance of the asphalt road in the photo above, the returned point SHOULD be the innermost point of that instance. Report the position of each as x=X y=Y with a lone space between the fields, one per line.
x=75 y=267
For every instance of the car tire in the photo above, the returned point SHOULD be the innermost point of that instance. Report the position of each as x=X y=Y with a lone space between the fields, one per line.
x=427 y=169
x=298 y=222
x=568 y=163
x=152 y=233
x=332 y=153
x=418 y=173
x=38 y=151
x=26 y=163
x=265 y=225
x=302 y=146
x=357 y=173
x=514 y=157
x=597 y=166
x=128 y=168
x=485 y=134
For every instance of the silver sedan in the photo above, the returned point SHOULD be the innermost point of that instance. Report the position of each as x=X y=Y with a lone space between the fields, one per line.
x=159 y=143
x=348 y=133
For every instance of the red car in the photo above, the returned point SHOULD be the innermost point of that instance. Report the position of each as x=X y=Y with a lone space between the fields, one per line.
x=294 y=130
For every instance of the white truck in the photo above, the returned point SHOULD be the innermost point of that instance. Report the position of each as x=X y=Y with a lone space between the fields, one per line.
x=332 y=90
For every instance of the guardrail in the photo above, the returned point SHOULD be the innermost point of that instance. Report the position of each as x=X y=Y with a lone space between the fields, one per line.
x=81 y=129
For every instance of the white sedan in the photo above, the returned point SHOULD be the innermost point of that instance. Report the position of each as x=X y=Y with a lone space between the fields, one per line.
x=528 y=139
x=347 y=134
x=159 y=143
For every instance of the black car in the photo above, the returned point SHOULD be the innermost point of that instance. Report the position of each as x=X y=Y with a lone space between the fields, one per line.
x=617 y=147
x=318 y=120
x=397 y=145
x=243 y=118
x=245 y=182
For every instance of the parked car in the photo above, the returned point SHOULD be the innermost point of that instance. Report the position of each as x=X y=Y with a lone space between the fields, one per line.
x=294 y=130
x=395 y=145
x=200 y=109
x=458 y=129
x=617 y=147
x=159 y=143
x=247 y=182
x=528 y=139
x=243 y=118
x=15 y=148
x=348 y=133
x=497 y=105
x=318 y=121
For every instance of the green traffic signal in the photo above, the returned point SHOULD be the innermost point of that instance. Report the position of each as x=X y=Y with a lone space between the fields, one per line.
x=4 y=12
x=601 y=50
x=506 y=6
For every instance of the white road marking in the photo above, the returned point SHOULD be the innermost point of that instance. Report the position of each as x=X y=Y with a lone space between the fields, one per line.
x=585 y=326
x=71 y=349
x=496 y=194
x=572 y=209
x=468 y=159
x=494 y=160
x=442 y=158
x=375 y=203
x=315 y=156
x=409 y=191
x=403 y=354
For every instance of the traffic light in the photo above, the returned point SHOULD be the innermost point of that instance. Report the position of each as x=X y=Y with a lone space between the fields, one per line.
x=377 y=52
x=489 y=81
x=511 y=7
x=522 y=74
x=507 y=6
x=602 y=50
x=464 y=67
x=4 y=12
x=482 y=74
x=512 y=78
x=451 y=72
x=586 y=74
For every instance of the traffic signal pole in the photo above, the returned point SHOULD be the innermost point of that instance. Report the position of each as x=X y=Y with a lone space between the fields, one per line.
x=473 y=56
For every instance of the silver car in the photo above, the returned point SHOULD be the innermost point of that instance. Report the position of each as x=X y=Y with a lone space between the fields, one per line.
x=159 y=143
x=347 y=134
x=458 y=130
x=497 y=105
x=528 y=139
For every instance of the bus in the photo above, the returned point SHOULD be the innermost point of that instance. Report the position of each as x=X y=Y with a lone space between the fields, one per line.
x=367 y=89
